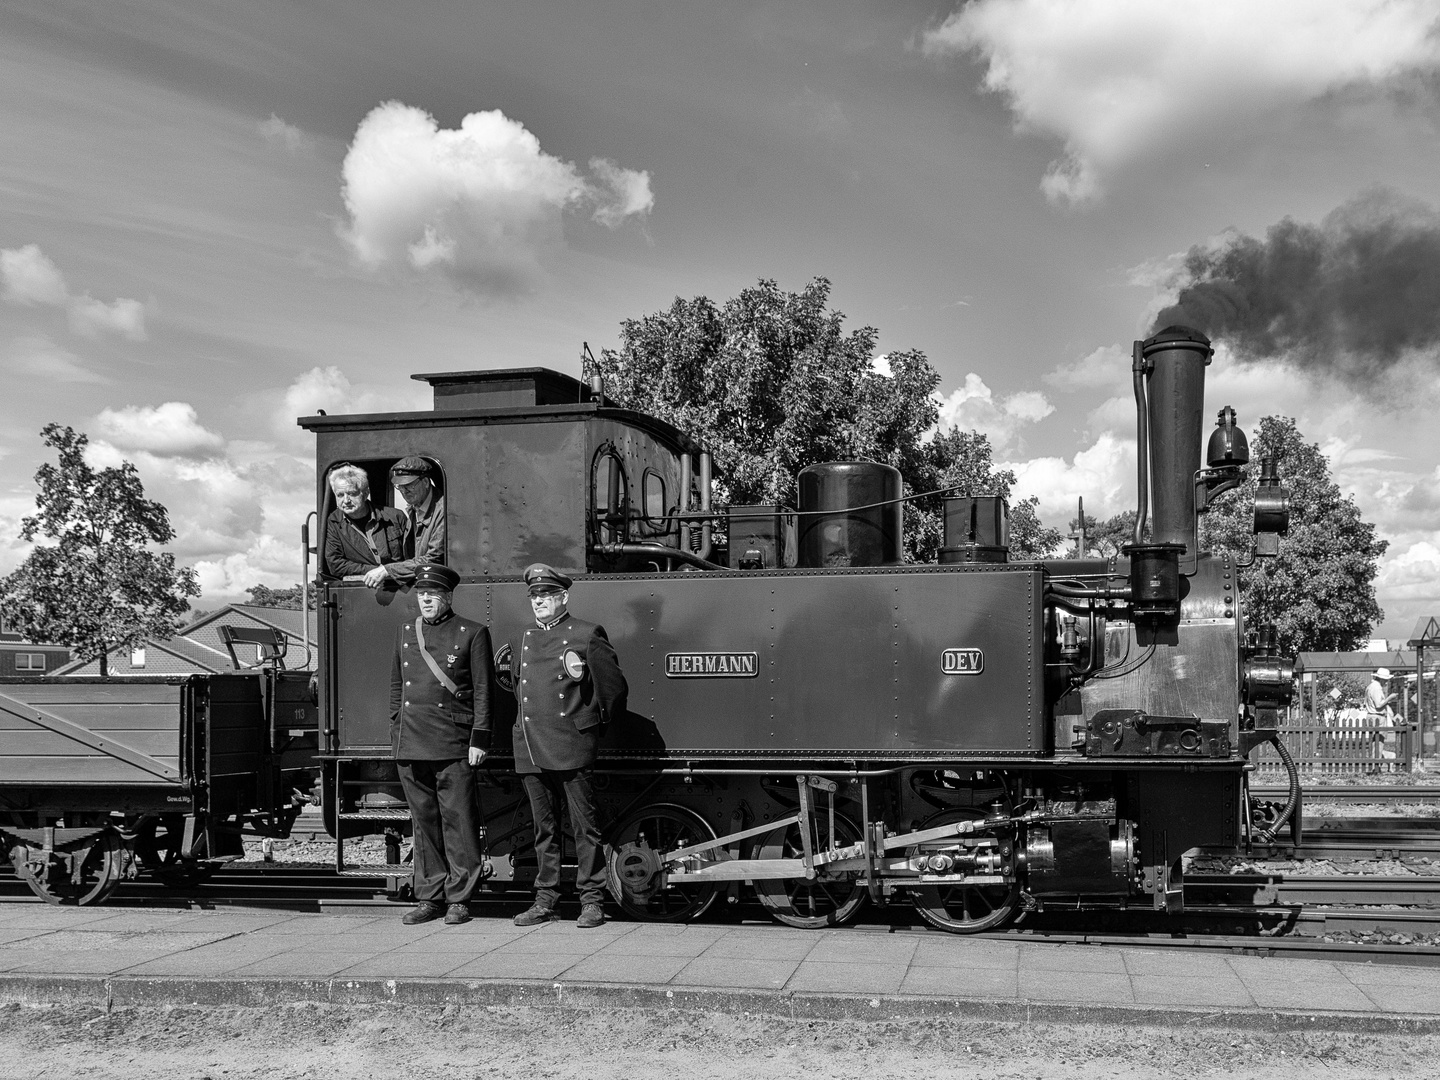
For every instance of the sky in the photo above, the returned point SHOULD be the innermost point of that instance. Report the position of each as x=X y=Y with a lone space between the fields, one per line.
x=215 y=217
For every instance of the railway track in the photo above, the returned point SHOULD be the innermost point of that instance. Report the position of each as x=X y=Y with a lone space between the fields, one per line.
x=1417 y=794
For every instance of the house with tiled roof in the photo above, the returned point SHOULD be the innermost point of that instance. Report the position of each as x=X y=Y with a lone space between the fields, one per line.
x=198 y=650
x=21 y=657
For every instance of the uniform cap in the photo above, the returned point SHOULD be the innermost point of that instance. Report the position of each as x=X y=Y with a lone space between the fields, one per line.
x=1382 y=673
x=434 y=576
x=540 y=577
x=410 y=466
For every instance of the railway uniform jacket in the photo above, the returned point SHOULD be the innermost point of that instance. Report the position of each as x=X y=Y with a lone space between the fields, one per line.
x=568 y=685
x=346 y=552
x=427 y=721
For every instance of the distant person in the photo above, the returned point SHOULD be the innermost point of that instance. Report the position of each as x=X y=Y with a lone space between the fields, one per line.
x=424 y=522
x=1380 y=713
x=361 y=538
x=568 y=684
x=440 y=724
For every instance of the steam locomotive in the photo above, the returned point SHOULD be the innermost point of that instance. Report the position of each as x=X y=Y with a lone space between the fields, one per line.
x=809 y=717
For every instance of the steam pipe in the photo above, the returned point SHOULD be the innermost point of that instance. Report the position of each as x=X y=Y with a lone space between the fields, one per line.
x=660 y=551
x=1142 y=443
x=687 y=479
x=706 y=525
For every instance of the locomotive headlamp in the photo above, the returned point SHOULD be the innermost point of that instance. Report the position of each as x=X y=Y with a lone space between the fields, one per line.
x=1228 y=446
x=1269 y=677
x=1272 y=509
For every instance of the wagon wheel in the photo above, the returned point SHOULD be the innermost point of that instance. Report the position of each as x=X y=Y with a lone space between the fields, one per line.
x=635 y=842
x=827 y=900
x=158 y=847
x=101 y=869
x=963 y=909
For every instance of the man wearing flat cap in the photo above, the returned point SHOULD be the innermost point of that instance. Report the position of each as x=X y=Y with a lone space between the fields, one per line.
x=568 y=685
x=424 y=522
x=440 y=712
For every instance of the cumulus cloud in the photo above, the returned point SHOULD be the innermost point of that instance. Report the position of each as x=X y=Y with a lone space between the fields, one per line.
x=1103 y=474
x=1118 y=80
x=171 y=428
x=278 y=133
x=1106 y=367
x=974 y=407
x=29 y=277
x=91 y=318
x=38 y=357
x=329 y=388
x=480 y=203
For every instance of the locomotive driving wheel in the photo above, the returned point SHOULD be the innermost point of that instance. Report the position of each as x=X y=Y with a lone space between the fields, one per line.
x=158 y=845
x=963 y=909
x=826 y=900
x=101 y=865
x=636 y=843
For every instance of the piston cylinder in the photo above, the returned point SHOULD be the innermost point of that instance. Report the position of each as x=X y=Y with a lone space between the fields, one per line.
x=849 y=514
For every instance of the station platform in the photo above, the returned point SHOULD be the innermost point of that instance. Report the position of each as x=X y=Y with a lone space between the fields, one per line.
x=114 y=957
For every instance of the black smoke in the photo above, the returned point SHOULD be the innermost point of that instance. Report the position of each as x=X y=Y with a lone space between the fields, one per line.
x=1350 y=297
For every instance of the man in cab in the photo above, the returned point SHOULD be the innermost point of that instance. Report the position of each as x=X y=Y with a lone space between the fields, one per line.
x=568 y=685
x=440 y=725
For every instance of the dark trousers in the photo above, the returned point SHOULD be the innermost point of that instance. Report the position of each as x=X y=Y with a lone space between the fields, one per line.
x=441 y=795
x=547 y=790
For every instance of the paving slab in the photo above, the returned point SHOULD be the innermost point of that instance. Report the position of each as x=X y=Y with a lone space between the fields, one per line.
x=165 y=957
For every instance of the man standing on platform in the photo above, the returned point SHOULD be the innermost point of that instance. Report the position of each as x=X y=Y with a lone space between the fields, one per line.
x=440 y=726
x=1378 y=711
x=568 y=684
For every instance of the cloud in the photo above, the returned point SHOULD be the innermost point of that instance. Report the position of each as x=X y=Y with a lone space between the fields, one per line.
x=329 y=388
x=29 y=277
x=1120 y=80
x=480 y=203
x=974 y=407
x=164 y=430
x=40 y=358
x=278 y=133
x=91 y=318
x=1102 y=474
x=1107 y=367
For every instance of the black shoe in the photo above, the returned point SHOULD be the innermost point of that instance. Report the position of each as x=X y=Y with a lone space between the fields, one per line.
x=535 y=914
x=423 y=912
x=457 y=914
x=591 y=915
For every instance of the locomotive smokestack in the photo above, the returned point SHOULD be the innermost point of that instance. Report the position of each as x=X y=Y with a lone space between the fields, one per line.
x=1174 y=361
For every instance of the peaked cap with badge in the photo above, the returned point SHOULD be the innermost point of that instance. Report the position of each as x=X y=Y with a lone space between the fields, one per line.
x=568 y=686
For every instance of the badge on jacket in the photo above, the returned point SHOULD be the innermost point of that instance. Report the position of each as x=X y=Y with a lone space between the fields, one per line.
x=451 y=658
x=574 y=664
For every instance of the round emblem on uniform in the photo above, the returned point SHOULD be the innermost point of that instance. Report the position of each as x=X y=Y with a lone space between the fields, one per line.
x=574 y=664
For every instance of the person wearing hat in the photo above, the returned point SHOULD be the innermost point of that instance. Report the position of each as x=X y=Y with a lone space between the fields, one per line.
x=568 y=685
x=1378 y=711
x=440 y=724
x=424 y=522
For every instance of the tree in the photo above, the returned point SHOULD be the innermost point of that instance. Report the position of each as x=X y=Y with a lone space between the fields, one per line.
x=770 y=383
x=264 y=596
x=1320 y=590
x=97 y=586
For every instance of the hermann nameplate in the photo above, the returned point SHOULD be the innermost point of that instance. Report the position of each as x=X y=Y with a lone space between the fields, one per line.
x=712 y=665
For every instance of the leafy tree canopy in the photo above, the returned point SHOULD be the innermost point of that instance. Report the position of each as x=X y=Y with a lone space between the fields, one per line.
x=1106 y=538
x=770 y=382
x=264 y=596
x=1320 y=590
x=95 y=585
